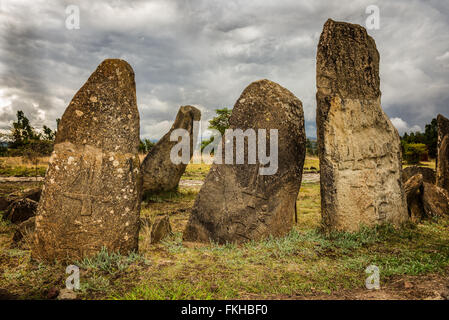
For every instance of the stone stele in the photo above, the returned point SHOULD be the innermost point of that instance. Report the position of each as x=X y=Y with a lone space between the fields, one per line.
x=237 y=203
x=442 y=163
x=159 y=172
x=359 y=148
x=91 y=193
x=427 y=173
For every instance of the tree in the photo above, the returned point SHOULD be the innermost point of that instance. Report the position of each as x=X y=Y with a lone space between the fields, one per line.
x=22 y=132
x=431 y=137
x=23 y=140
x=415 y=152
x=219 y=122
x=145 y=145
x=49 y=134
x=311 y=147
x=428 y=138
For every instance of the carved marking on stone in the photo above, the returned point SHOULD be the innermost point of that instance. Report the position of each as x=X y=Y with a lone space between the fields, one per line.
x=253 y=192
x=87 y=177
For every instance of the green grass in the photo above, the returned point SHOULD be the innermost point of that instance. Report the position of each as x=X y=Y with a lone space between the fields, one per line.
x=175 y=290
x=22 y=171
x=428 y=164
x=196 y=171
x=171 y=196
x=308 y=200
x=110 y=262
x=311 y=162
x=302 y=262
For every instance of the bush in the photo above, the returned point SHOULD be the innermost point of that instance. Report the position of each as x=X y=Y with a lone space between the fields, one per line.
x=3 y=151
x=415 y=152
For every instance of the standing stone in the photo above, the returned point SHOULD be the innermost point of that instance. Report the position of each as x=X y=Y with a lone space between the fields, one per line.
x=442 y=163
x=412 y=187
x=443 y=129
x=159 y=172
x=435 y=200
x=359 y=148
x=236 y=203
x=428 y=174
x=91 y=193
x=425 y=199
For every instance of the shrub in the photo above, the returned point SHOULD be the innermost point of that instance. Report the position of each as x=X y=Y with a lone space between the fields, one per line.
x=415 y=152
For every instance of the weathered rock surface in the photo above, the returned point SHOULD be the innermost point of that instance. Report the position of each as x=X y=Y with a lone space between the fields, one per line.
x=236 y=203
x=428 y=174
x=443 y=129
x=21 y=210
x=25 y=229
x=443 y=164
x=442 y=161
x=425 y=200
x=159 y=172
x=160 y=229
x=413 y=189
x=435 y=200
x=91 y=193
x=412 y=186
x=416 y=209
x=359 y=148
x=32 y=193
x=66 y=294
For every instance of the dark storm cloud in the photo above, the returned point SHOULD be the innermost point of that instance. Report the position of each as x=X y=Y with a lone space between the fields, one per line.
x=206 y=52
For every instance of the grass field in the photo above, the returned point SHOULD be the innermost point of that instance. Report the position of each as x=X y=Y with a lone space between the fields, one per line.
x=304 y=264
x=20 y=167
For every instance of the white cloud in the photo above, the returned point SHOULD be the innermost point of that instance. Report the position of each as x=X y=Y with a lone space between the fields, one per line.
x=444 y=56
x=155 y=130
x=404 y=127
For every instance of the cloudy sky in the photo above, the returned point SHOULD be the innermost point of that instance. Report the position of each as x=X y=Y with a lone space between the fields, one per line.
x=205 y=53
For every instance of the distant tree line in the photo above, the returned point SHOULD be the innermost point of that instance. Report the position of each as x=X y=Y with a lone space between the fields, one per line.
x=23 y=140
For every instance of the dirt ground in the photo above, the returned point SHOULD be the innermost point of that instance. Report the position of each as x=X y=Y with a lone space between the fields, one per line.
x=428 y=287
